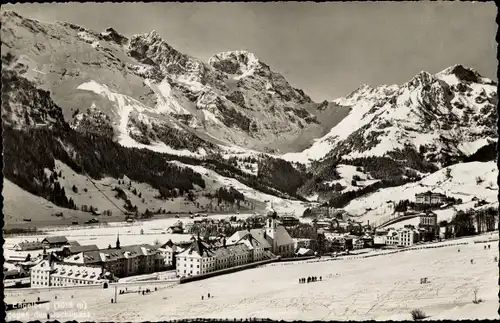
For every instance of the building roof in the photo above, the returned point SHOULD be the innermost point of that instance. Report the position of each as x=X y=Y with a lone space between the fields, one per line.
x=30 y=245
x=104 y=255
x=78 y=249
x=55 y=239
x=72 y=271
x=74 y=243
x=232 y=250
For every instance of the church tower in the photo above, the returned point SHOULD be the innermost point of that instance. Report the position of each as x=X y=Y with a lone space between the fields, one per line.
x=118 y=241
x=271 y=227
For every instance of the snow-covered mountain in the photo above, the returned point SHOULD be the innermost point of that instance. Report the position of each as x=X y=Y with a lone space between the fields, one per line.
x=146 y=89
x=232 y=115
x=444 y=116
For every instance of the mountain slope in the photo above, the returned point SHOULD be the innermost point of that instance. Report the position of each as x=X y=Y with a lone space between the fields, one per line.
x=161 y=91
x=463 y=181
x=444 y=117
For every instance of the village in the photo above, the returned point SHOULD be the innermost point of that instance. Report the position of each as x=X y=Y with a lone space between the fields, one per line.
x=232 y=243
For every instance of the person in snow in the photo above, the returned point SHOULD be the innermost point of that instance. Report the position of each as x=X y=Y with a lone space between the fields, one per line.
x=201 y=297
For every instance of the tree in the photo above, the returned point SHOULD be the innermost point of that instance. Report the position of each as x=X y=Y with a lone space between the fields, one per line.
x=75 y=189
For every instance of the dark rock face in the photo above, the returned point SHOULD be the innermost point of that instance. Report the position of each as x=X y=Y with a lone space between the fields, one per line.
x=112 y=35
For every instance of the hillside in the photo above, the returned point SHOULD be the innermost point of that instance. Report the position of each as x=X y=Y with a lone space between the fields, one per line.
x=401 y=133
x=464 y=181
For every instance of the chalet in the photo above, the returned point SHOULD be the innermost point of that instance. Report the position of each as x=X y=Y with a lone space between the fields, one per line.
x=430 y=198
x=54 y=242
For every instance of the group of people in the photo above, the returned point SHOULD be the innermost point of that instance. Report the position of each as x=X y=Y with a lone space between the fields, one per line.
x=309 y=279
x=485 y=247
x=208 y=296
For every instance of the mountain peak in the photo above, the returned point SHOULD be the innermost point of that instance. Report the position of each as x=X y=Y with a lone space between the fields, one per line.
x=110 y=34
x=462 y=73
x=238 y=62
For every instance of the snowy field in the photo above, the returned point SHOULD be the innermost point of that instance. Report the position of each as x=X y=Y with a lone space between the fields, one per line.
x=382 y=288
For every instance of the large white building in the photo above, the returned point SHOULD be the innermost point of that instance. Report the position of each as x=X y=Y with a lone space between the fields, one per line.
x=168 y=251
x=47 y=274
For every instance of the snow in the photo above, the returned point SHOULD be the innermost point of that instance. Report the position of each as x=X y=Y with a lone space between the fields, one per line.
x=347 y=172
x=381 y=288
x=469 y=148
x=280 y=205
x=246 y=68
x=124 y=105
x=167 y=102
x=462 y=184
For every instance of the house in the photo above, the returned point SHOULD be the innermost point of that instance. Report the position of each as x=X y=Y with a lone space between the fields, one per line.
x=17 y=257
x=430 y=198
x=408 y=236
x=392 y=237
x=380 y=237
x=303 y=243
x=54 y=242
x=168 y=251
x=428 y=224
x=358 y=243
x=280 y=242
x=47 y=274
x=73 y=250
x=11 y=271
x=338 y=243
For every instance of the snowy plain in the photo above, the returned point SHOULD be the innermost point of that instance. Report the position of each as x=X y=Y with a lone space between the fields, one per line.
x=381 y=288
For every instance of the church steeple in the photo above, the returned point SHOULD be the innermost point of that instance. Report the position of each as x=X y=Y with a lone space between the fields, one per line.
x=118 y=241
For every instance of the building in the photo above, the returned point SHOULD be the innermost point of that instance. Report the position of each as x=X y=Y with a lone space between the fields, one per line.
x=429 y=198
x=55 y=242
x=303 y=243
x=358 y=243
x=202 y=258
x=169 y=251
x=11 y=271
x=122 y=261
x=280 y=242
x=428 y=225
x=392 y=238
x=408 y=236
x=48 y=273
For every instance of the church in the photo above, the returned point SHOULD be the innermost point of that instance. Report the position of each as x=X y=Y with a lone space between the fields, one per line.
x=273 y=237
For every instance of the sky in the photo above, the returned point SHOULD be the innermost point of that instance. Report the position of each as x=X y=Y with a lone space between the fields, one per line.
x=326 y=49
